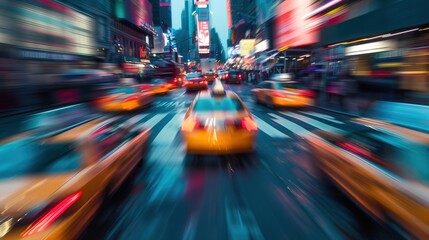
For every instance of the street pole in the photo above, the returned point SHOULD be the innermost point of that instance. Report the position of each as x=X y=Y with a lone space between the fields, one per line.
x=284 y=61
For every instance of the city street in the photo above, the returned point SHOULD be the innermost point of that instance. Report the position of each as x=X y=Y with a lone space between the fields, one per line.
x=273 y=193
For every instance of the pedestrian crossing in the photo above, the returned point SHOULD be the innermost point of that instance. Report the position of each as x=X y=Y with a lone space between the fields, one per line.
x=291 y=124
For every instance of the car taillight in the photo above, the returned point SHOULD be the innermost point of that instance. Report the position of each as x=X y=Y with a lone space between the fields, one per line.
x=239 y=76
x=145 y=87
x=205 y=76
x=306 y=93
x=175 y=80
x=191 y=124
x=278 y=94
x=47 y=219
x=132 y=98
x=248 y=124
x=227 y=75
x=245 y=123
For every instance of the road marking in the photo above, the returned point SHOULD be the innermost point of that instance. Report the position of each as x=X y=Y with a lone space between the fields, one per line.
x=268 y=129
x=312 y=122
x=150 y=123
x=323 y=116
x=295 y=128
x=169 y=131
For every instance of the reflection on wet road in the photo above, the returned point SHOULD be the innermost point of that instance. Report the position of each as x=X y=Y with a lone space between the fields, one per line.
x=272 y=193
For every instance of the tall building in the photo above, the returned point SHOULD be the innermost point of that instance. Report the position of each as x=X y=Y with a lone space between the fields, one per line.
x=161 y=11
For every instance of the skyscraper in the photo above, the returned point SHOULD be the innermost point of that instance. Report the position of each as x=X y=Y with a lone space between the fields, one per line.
x=161 y=11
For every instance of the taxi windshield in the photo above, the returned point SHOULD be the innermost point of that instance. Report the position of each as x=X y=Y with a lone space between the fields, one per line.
x=29 y=157
x=218 y=104
x=288 y=85
x=126 y=90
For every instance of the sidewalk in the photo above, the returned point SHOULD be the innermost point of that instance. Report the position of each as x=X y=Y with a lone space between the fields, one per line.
x=414 y=116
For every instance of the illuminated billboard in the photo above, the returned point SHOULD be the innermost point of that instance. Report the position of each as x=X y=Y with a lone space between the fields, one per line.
x=228 y=12
x=291 y=29
x=165 y=3
x=138 y=12
x=246 y=46
x=201 y=3
x=203 y=37
x=203 y=14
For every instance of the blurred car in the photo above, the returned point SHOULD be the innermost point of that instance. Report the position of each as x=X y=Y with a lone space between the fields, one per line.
x=195 y=81
x=382 y=167
x=57 y=182
x=281 y=77
x=210 y=77
x=124 y=98
x=233 y=76
x=282 y=94
x=218 y=122
x=220 y=73
x=157 y=86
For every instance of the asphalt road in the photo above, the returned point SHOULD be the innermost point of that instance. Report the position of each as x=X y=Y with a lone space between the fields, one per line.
x=273 y=193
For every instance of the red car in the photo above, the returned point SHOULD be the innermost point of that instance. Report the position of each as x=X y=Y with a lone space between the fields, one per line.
x=195 y=81
x=233 y=76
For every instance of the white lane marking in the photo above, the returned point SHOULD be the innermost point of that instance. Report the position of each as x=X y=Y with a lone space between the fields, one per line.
x=313 y=122
x=153 y=120
x=167 y=134
x=323 y=116
x=295 y=128
x=268 y=129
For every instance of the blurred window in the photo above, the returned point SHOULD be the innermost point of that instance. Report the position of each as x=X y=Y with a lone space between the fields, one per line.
x=210 y=74
x=218 y=104
x=264 y=85
x=29 y=157
x=157 y=81
x=194 y=75
x=125 y=90
x=287 y=85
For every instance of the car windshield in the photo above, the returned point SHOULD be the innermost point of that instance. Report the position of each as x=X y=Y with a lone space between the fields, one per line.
x=126 y=90
x=193 y=75
x=218 y=104
x=28 y=157
x=233 y=72
x=209 y=74
x=288 y=85
x=157 y=81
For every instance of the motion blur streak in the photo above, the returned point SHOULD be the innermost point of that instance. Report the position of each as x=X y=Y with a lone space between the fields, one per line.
x=148 y=119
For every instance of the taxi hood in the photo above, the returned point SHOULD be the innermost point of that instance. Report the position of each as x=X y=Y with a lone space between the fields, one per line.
x=24 y=193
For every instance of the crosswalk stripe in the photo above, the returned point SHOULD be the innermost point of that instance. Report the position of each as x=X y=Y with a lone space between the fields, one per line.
x=290 y=125
x=268 y=129
x=151 y=122
x=166 y=135
x=323 y=116
x=312 y=122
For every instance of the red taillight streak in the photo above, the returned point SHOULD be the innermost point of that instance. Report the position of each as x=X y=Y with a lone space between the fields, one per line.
x=133 y=98
x=306 y=93
x=245 y=123
x=47 y=219
x=279 y=94
x=248 y=124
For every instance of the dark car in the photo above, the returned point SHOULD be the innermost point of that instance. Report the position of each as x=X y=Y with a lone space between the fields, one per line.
x=233 y=76
x=195 y=81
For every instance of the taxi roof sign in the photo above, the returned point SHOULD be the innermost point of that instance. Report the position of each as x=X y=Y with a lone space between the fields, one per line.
x=218 y=88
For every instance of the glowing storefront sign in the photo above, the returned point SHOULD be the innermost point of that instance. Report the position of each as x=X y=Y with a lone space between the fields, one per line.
x=374 y=47
x=246 y=45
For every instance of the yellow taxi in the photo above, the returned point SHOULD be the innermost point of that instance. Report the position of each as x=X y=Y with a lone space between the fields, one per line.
x=210 y=77
x=282 y=94
x=52 y=185
x=158 y=86
x=125 y=98
x=218 y=122
x=382 y=167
